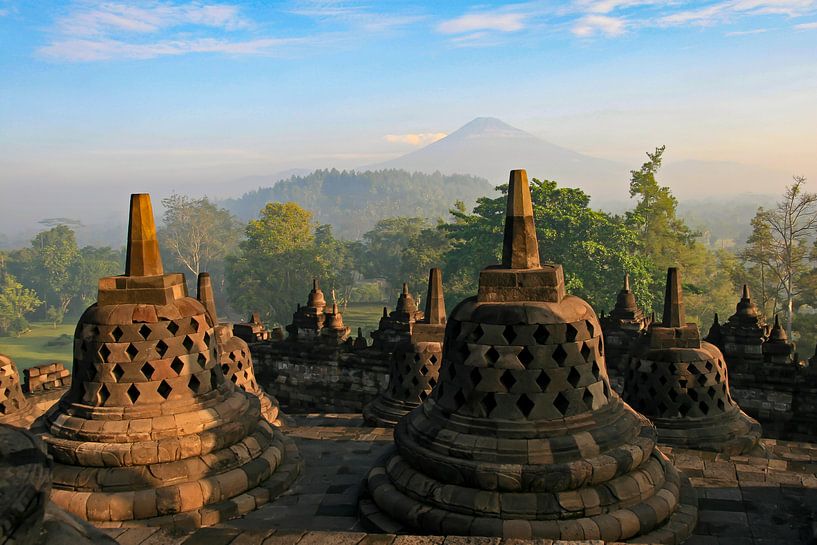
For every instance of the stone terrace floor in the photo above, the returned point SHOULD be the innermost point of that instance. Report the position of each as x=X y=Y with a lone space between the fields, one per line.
x=742 y=500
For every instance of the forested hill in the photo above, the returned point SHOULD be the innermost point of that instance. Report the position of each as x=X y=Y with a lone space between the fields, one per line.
x=352 y=202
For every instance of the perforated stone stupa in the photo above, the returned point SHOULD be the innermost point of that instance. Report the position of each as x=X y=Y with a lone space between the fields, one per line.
x=234 y=354
x=151 y=432
x=524 y=437
x=743 y=334
x=622 y=326
x=415 y=363
x=15 y=409
x=308 y=320
x=682 y=384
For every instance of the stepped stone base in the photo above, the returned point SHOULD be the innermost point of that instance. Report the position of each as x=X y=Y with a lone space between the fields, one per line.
x=385 y=412
x=730 y=433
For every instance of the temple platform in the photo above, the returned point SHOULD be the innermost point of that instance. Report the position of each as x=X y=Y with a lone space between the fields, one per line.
x=746 y=500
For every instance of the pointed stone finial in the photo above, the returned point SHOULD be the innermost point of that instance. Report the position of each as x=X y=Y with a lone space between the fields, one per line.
x=520 y=247
x=777 y=333
x=716 y=321
x=626 y=281
x=385 y=312
x=674 y=313
x=360 y=332
x=143 y=258
x=315 y=286
x=746 y=292
x=435 y=303
x=405 y=288
x=204 y=294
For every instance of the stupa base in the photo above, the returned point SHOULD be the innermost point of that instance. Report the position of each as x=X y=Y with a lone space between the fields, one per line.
x=732 y=433
x=386 y=509
x=385 y=412
x=282 y=477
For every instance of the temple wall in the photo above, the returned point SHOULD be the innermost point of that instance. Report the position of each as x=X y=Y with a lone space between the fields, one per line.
x=307 y=376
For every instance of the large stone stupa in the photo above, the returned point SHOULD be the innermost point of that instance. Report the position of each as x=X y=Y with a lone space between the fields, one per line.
x=151 y=432
x=681 y=383
x=524 y=437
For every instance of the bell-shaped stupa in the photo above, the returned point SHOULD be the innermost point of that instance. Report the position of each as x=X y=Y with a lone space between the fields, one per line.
x=743 y=334
x=681 y=383
x=524 y=437
x=395 y=326
x=234 y=353
x=15 y=409
x=415 y=363
x=151 y=432
x=622 y=326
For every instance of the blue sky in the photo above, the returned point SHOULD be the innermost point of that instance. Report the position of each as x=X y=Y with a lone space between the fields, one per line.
x=101 y=92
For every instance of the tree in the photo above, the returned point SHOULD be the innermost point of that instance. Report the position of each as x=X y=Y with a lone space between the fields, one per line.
x=54 y=254
x=16 y=302
x=759 y=257
x=786 y=231
x=383 y=247
x=94 y=263
x=595 y=248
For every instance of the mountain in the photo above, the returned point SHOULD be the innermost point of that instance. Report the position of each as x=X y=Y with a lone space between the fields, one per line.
x=490 y=148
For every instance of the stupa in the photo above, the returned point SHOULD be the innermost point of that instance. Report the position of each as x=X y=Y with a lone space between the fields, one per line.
x=743 y=334
x=415 y=363
x=777 y=350
x=252 y=331
x=234 y=354
x=622 y=326
x=681 y=383
x=395 y=326
x=308 y=320
x=151 y=432
x=15 y=409
x=524 y=437
x=334 y=331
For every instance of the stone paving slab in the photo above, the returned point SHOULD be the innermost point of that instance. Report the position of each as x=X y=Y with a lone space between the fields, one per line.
x=747 y=500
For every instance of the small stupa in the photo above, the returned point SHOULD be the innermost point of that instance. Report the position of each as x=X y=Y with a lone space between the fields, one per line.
x=151 y=432
x=743 y=334
x=415 y=363
x=622 y=326
x=523 y=436
x=308 y=320
x=681 y=383
x=777 y=350
x=395 y=326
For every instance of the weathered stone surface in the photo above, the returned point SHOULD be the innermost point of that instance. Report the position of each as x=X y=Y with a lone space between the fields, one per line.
x=524 y=437
x=621 y=327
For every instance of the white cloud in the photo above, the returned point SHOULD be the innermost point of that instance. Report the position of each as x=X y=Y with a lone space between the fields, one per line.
x=747 y=32
x=806 y=26
x=730 y=9
x=415 y=139
x=356 y=15
x=4 y=12
x=607 y=6
x=591 y=25
x=494 y=21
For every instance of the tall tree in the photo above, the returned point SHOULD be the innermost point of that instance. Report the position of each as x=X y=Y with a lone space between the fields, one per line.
x=53 y=256
x=16 y=302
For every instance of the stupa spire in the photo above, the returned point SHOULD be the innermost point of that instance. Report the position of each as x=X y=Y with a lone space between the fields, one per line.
x=143 y=258
x=435 y=303
x=674 y=313
x=520 y=248
x=626 y=281
x=204 y=293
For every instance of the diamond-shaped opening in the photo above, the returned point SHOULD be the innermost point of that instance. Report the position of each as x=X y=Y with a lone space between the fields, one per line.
x=432 y=382
x=117 y=333
x=240 y=365
x=711 y=391
x=194 y=383
x=704 y=407
x=682 y=382
x=509 y=333
x=464 y=351
x=525 y=356
x=570 y=333
x=103 y=395
x=133 y=393
x=573 y=377
x=415 y=381
x=587 y=397
x=701 y=379
x=225 y=368
x=194 y=325
x=118 y=372
x=653 y=367
x=560 y=355
x=206 y=339
x=234 y=378
x=188 y=343
x=561 y=403
x=202 y=359
x=721 y=405
x=708 y=366
x=3 y=408
x=423 y=395
x=489 y=402
x=177 y=365
x=492 y=355
x=507 y=379
x=717 y=377
x=693 y=394
x=671 y=368
x=161 y=348
x=416 y=357
x=673 y=395
x=596 y=370
x=172 y=327
x=144 y=331
x=104 y=352
x=476 y=376
x=543 y=380
x=459 y=398
x=132 y=351
x=164 y=389
x=586 y=352
x=662 y=408
x=684 y=409
x=233 y=356
x=476 y=334
x=407 y=368
x=433 y=358
x=424 y=370
x=147 y=370
x=541 y=334
x=606 y=389
x=525 y=405
x=591 y=329
x=214 y=376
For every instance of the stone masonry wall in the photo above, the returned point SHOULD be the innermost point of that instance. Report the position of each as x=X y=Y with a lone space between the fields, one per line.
x=307 y=376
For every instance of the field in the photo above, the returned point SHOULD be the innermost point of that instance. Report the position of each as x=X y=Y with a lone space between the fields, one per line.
x=43 y=344
x=365 y=315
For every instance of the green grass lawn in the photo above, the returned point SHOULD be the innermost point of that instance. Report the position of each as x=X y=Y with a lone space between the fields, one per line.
x=43 y=344
x=363 y=315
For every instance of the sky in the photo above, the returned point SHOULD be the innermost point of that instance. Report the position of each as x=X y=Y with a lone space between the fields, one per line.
x=102 y=95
